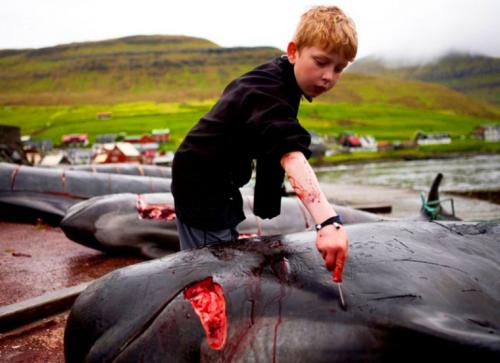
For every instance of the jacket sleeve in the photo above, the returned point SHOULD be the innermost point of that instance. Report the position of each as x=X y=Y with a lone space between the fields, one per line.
x=277 y=131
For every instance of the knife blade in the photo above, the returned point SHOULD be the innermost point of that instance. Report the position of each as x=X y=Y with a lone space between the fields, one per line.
x=343 y=305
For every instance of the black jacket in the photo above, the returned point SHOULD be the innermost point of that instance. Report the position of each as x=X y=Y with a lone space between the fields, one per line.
x=254 y=119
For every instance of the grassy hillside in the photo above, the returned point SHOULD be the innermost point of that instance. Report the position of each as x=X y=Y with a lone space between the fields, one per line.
x=151 y=82
x=474 y=75
x=159 y=68
x=384 y=121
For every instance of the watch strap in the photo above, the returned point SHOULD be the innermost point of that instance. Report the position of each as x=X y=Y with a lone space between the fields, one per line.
x=332 y=220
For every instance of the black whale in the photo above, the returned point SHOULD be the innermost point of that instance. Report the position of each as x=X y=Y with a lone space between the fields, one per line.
x=112 y=223
x=415 y=291
x=28 y=193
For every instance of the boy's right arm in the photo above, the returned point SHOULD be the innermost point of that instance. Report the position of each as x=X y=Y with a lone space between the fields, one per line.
x=332 y=242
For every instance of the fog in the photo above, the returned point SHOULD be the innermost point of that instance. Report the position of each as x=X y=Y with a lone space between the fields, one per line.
x=404 y=29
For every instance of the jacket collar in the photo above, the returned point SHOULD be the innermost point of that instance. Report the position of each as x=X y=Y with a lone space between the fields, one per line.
x=290 y=76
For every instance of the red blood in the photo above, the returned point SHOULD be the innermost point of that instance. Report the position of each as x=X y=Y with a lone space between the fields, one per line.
x=337 y=276
x=155 y=211
x=337 y=273
x=13 y=177
x=310 y=195
x=207 y=299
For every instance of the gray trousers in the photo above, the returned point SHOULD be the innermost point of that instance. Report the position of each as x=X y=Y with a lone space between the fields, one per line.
x=190 y=237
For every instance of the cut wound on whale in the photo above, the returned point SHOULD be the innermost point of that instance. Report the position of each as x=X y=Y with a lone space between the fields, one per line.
x=155 y=211
x=207 y=299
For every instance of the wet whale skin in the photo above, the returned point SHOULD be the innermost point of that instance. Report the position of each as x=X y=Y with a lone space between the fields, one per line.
x=414 y=290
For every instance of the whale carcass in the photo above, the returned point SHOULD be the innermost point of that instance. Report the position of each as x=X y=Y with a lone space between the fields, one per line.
x=145 y=223
x=28 y=193
x=415 y=291
x=126 y=169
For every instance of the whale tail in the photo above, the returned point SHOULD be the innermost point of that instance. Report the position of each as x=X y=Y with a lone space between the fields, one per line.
x=432 y=207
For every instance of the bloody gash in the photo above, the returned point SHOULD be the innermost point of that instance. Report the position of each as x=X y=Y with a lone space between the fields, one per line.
x=158 y=211
x=207 y=299
x=412 y=289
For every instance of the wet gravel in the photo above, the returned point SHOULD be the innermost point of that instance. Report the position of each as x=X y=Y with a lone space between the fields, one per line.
x=40 y=343
x=35 y=259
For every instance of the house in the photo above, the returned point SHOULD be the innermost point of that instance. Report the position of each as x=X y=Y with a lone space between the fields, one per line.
x=79 y=156
x=148 y=151
x=41 y=146
x=120 y=152
x=104 y=115
x=150 y=146
x=489 y=133
x=58 y=158
x=368 y=143
x=35 y=150
x=317 y=147
x=492 y=133
x=139 y=139
x=148 y=156
x=164 y=159
x=433 y=138
x=385 y=145
x=161 y=135
x=75 y=140
x=106 y=138
x=348 y=139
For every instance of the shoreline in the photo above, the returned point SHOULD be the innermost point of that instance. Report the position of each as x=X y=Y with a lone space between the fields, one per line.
x=406 y=203
x=489 y=195
x=403 y=157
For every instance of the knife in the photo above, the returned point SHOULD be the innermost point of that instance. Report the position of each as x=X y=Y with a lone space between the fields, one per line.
x=343 y=305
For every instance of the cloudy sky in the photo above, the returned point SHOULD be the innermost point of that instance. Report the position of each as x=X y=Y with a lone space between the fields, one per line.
x=410 y=29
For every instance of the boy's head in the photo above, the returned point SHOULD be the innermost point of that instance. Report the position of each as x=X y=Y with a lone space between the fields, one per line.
x=328 y=28
x=323 y=45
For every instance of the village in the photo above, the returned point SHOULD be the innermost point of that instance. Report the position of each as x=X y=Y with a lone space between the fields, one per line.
x=149 y=148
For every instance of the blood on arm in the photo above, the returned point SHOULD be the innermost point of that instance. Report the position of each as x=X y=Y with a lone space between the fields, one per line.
x=306 y=186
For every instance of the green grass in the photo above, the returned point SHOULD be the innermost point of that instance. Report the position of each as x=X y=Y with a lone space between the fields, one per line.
x=52 y=122
x=467 y=146
x=385 y=122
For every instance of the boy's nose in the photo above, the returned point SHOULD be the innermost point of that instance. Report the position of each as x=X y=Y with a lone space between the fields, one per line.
x=330 y=77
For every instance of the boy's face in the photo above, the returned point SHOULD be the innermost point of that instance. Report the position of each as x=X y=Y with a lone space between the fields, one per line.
x=316 y=70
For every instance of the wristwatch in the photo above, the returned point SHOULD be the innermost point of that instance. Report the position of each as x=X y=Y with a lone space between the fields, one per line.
x=336 y=221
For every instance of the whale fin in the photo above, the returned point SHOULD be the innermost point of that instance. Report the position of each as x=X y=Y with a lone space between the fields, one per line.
x=432 y=208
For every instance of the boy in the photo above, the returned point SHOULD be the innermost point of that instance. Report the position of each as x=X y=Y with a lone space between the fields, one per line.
x=256 y=119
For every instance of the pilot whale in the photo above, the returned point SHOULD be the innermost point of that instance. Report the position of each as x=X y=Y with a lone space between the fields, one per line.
x=145 y=223
x=415 y=291
x=29 y=193
x=126 y=169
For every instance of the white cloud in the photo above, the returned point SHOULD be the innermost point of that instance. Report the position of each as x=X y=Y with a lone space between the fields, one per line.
x=404 y=28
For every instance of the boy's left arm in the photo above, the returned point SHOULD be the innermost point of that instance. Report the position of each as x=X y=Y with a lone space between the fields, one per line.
x=331 y=241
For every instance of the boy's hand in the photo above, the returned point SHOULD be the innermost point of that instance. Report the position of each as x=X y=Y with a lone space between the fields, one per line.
x=332 y=243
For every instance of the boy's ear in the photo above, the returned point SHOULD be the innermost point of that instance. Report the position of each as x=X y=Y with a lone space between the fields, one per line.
x=291 y=52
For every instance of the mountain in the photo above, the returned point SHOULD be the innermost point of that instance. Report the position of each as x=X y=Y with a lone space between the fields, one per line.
x=164 y=68
x=475 y=75
x=160 y=68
